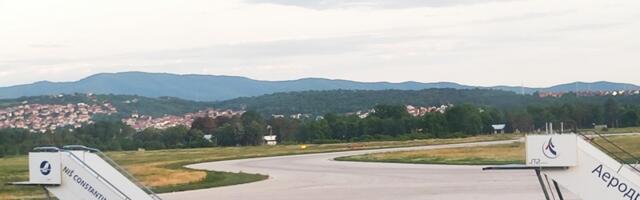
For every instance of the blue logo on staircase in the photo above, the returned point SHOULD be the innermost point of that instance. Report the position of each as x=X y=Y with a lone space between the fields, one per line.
x=45 y=168
x=549 y=149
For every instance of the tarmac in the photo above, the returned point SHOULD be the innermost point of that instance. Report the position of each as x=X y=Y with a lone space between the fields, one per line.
x=319 y=177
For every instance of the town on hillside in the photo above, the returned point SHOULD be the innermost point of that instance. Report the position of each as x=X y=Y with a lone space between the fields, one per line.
x=142 y=122
x=589 y=93
x=48 y=117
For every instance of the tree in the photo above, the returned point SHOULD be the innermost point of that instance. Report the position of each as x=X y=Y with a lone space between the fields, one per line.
x=251 y=116
x=490 y=116
x=204 y=124
x=390 y=111
x=611 y=111
x=340 y=126
x=254 y=128
x=539 y=116
x=521 y=121
x=630 y=118
x=254 y=133
x=316 y=130
x=436 y=124
x=195 y=138
x=175 y=137
x=372 y=126
x=150 y=138
x=284 y=128
x=465 y=119
x=227 y=135
x=393 y=127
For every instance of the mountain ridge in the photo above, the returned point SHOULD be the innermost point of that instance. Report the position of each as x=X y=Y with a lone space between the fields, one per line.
x=201 y=87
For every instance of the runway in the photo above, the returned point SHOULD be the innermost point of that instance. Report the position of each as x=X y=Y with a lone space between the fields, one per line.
x=319 y=177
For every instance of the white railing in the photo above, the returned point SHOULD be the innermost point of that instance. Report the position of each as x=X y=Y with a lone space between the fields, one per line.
x=117 y=167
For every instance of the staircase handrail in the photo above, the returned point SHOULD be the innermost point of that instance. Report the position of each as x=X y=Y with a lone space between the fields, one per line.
x=118 y=167
x=621 y=160
x=96 y=174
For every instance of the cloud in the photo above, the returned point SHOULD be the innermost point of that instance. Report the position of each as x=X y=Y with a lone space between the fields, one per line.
x=276 y=48
x=332 y=4
x=587 y=27
x=47 y=46
x=524 y=17
x=435 y=40
x=279 y=58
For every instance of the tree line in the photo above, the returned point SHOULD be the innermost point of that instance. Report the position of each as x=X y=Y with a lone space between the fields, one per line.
x=345 y=101
x=388 y=122
x=393 y=122
x=247 y=129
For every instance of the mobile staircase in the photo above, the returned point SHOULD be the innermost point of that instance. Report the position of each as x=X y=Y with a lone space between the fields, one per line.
x=78 y=172
x=588 y=165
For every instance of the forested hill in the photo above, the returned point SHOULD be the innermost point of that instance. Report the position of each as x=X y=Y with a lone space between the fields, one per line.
x=344 y=101
x=322 y=102
x=218 y=88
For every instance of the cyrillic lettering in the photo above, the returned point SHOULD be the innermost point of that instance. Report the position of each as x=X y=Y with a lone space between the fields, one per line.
x=598 y=169
x=630 y=194
x=606 y=176
x=625 y=187
x=612 y=184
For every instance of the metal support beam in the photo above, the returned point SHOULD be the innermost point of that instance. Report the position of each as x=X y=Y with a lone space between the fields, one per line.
x=553 y=196
x=558 y=190
x=544 y=189
x=46 y=192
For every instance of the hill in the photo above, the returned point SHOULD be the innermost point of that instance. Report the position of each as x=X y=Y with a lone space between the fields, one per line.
x=345 y=101
x=219 y=88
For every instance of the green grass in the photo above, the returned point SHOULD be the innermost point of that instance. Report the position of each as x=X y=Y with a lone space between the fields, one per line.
x=12 y=170
x=616 y=130
x=215 y=179
x=487 y=155
x=630 y=144
x=164 y=171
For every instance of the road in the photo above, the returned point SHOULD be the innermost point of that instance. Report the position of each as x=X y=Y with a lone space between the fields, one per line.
x=318 y=177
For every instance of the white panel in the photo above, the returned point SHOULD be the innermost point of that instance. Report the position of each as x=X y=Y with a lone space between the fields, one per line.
x=44 y=168
x=551 y=150
x=596 y=177
x=79 y=183
x=115 y=177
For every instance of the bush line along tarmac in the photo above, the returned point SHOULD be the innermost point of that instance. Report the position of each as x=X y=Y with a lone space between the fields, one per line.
x=164 y=171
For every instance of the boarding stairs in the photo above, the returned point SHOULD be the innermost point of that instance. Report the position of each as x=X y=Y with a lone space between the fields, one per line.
x=78 y=172
x=588 y=165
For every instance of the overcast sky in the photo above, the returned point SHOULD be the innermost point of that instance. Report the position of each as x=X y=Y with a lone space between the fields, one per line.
x=476 y=42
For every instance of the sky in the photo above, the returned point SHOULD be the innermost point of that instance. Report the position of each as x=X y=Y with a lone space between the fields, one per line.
x=532 y=43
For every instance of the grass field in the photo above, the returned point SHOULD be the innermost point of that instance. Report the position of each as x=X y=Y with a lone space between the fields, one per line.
x=163 y=169
x=486 y=155
x=616 y=130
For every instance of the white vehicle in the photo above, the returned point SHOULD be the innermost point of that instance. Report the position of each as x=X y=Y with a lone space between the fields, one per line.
x=580 y=165
x=78 y=172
